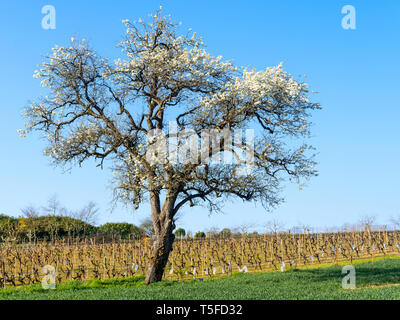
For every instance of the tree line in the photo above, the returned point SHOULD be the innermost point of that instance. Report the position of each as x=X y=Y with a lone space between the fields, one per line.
x=60 y=227
x=55 y=227
x=54 y=221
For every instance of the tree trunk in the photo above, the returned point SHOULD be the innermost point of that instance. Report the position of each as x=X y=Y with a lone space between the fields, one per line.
x=161 y=249
x=164 y=238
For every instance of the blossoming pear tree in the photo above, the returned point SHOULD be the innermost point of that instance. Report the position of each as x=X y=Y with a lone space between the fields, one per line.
x=102 y=110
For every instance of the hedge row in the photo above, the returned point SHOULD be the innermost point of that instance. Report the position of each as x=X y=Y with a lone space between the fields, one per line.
x=56 y=227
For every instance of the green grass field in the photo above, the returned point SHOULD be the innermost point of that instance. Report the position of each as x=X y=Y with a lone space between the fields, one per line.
x=380 y=280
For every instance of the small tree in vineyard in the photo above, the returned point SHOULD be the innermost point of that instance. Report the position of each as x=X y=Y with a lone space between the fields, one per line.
x=180 y=233
x=200 y=235
x=97 y=109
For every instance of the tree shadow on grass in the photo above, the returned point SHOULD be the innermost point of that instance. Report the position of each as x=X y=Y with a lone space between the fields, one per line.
x=385 y=271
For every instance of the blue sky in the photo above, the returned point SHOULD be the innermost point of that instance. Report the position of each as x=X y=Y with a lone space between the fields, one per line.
x=355 y=71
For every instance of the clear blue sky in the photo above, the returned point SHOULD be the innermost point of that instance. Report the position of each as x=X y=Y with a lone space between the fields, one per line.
x=355 y=71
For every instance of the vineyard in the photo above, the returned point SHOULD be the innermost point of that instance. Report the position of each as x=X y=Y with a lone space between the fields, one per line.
x=87 y=259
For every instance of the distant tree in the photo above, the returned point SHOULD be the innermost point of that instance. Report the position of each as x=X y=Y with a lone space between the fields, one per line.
x=212 y=232
x=254 y=234
x=30 y=212
x=244 y=228
x=274 y=226
x=8 y=228
x=180 y=233
x=122 y=228
x=396 y=221
x=189 y=234
x=199 y=235
x=367 y=221
x=225 y=233
x=30 y=215
x=147 y=226
x=54 y=207
x=88 y=213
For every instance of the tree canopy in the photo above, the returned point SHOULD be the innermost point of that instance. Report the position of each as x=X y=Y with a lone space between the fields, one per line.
x=98 y=109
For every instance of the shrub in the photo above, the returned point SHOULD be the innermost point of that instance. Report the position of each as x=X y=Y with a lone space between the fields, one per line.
x=122 y=228
x=200 y=235
x=180 y=233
